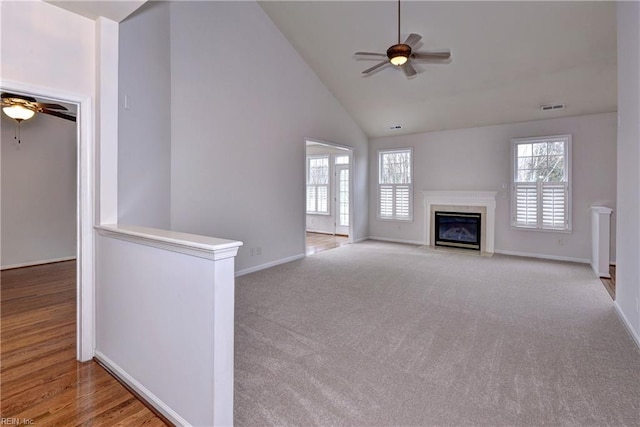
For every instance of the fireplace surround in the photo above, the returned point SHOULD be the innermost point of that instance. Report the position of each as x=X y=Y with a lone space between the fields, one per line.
x=482 y=202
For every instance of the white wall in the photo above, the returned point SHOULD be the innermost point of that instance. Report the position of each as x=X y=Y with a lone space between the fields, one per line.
x=38 y=190
x=144 y=124
x=54 y=49
x=238 y=155
x=479 y=159
x=628 y=214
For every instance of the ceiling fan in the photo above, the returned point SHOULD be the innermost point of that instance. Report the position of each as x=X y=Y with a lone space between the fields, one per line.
x=401 y=54
x=21 y=107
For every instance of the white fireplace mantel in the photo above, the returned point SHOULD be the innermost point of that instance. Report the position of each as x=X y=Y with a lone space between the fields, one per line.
x=486 y=199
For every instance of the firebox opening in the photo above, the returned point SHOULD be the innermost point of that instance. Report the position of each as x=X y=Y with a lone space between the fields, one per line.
x=458 y=229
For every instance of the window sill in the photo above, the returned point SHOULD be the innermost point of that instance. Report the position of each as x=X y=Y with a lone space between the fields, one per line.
x=319 y=213
x=395 y=219
x=544 y=230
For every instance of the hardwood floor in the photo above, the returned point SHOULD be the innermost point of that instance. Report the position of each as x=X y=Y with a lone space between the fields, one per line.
x=41 y=383
x=610 y=284
x=318 y=242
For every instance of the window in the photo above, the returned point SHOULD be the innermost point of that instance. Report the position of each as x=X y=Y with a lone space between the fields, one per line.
x=541 y=183
x=318 y=185
x=342 y=160
x=395 y=189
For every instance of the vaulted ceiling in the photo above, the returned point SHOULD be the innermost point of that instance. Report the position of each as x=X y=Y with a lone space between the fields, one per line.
x=508 y=58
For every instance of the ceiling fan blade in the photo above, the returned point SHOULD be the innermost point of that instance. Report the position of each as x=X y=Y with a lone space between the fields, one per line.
x=52 y=106
x=13 y=95
x=58 y=114
x=433 y=54
x=375 y=67
x=413 y=39
x=383 y=55
x=409 y=70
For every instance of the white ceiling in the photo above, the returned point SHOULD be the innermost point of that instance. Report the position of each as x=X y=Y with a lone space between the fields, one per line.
x=508 y=59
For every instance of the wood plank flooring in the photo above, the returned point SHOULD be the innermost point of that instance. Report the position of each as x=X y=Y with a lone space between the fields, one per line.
x=318 y=242
x=41 y=383
x=610 y=284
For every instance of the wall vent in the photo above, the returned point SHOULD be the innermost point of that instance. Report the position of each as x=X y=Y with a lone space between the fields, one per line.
x=552 y=107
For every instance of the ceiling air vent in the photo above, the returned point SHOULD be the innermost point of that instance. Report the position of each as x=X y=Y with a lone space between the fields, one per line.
x=552 y=107
x=395 y=127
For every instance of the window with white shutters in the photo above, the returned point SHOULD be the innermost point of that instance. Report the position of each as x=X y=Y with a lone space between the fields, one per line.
x=395 y=188
x=541 y=183
x=318 y=185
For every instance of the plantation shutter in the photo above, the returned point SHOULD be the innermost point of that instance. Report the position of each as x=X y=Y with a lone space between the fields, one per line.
x=402 y=201
x=526 y=209
x=386 y=201
x=554 y=203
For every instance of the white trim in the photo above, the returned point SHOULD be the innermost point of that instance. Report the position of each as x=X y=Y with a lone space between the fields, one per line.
x=40 y=262
x=360 y=240
x=394 y=240
x=269 y=265
x=627 y=324
x=148 y=396
x=568 y=223
x=85 y=278
x=394 y=217
x=212 y=248
x=486 y=199
x=543 y=256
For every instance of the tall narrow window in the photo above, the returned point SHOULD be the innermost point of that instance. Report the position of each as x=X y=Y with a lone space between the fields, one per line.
x=541 y=183
x=395 y=188
x=318 y=185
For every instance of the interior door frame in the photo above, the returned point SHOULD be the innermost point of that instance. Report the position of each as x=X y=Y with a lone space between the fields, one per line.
x=336 y=204
x=349 y=151
x=86 y=212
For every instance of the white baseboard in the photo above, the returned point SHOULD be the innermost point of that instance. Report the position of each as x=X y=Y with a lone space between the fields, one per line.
x=543 y=256
x=268 y=265
x=627 y=324
x=32 y=263
x=392 y=240
x=360 y=240
x=147 y=395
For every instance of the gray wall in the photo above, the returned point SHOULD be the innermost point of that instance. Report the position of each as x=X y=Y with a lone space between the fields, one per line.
x=238 y=159
x=628 y=214
x=480 y=159
x=144 y=127
x=38 y=190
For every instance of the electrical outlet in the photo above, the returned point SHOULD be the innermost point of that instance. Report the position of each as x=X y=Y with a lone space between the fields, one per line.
x=252 y=251
x=259 y=250
x=561 y=241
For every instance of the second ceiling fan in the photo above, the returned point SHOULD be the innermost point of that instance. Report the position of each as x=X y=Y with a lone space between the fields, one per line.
x=401 y=54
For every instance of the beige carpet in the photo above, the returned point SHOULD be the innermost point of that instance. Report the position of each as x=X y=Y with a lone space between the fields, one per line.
x=384 y=334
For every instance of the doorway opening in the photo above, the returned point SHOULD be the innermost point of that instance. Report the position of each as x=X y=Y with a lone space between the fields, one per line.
x=79 y=180
x=329 y=196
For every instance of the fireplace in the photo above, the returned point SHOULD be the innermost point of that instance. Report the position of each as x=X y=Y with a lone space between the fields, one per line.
x=458 y=229
x=466 y=202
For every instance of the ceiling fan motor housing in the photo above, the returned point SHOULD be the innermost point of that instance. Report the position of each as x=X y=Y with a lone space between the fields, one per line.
x=399 y=50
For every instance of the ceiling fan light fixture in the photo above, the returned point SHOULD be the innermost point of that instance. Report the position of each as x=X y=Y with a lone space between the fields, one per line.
x=18 y=112
x=399 y=60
